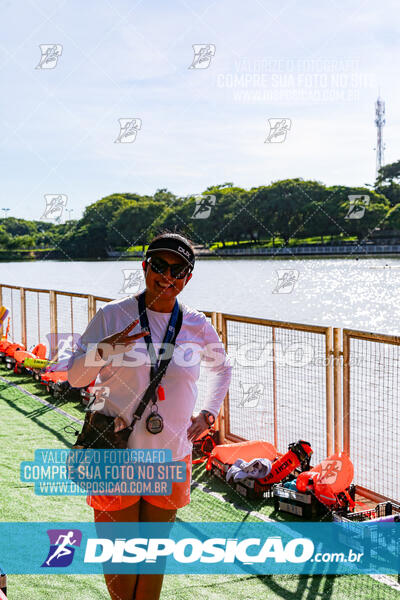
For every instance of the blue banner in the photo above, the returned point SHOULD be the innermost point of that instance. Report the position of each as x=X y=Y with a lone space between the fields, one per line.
x=211 y=547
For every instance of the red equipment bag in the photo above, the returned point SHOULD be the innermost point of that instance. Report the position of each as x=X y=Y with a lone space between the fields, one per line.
x=330 y=480
x=224 y=456
x=298 y=455
x=229 y=453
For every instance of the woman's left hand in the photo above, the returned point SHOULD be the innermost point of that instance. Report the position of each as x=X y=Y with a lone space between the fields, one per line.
x=119 y=423
x=199 y=424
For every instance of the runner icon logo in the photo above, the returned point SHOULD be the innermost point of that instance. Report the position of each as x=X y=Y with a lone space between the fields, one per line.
x=62 y=542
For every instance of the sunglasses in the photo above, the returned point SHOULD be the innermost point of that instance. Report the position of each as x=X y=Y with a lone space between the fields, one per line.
x=178 y=270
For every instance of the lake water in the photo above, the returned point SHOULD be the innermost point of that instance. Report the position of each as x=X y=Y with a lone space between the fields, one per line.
x=359 y=294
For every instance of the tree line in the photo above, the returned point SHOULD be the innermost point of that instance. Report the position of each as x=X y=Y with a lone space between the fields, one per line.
x=282 y=211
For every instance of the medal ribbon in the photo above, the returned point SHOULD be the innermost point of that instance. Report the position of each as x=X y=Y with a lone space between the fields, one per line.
x=144 y=322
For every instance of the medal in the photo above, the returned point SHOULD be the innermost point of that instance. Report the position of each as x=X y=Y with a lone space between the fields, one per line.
x=154 y=422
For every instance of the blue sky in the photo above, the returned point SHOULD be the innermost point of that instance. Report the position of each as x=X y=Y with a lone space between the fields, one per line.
x=319 y=64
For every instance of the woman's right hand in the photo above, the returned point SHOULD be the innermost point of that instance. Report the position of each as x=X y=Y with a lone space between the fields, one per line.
x=119 y=342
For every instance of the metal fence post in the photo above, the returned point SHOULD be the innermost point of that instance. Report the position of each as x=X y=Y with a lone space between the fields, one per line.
x=53 y=323
x=346 y=393
x=1 y=304
x=12 y=314
x=219 y=422
x=337 y=388
x=329 y=382
x=223 y=423
x=23 y=316
x=274 y=390
x=91 y=307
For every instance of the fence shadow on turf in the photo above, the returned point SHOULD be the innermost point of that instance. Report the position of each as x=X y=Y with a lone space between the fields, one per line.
x=308 y=587
x=228 y=494
x=33 y=415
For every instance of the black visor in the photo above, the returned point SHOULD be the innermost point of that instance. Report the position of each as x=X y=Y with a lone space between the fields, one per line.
x=172 y=244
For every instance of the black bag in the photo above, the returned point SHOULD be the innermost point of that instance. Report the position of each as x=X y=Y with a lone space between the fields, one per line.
x=98 y=429
x=98 y=432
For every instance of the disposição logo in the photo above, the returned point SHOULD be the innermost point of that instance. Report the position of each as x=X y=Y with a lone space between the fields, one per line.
x=62 y=547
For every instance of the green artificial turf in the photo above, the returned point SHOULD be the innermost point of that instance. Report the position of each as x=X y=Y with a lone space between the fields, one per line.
x=25 y=425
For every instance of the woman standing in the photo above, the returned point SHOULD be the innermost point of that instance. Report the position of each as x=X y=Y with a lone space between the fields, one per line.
x=108 y=351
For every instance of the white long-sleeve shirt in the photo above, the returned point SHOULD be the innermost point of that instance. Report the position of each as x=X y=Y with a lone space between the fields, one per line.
x=126 y=376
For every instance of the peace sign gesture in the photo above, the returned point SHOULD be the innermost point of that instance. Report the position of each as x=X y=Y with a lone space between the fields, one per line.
x=120 y=342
